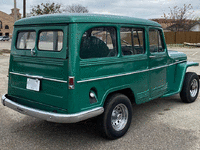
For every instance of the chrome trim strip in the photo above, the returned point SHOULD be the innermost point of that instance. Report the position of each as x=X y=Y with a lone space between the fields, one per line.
x=37 y=77
x=130 y=73
x=51 y=116
x=2 y=99
x=111 y=76
x=177 y=62
x=158 y=68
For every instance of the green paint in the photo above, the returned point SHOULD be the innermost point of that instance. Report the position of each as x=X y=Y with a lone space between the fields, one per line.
x=148 y=78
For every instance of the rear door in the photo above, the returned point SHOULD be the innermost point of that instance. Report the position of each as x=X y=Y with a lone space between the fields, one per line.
x=38 y=68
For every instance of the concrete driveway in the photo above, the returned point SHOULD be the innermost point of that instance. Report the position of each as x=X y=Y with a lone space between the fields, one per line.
x=164 y=123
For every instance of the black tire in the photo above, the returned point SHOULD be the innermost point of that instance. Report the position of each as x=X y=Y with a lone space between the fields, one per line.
x=113 y=123
x=190 y=87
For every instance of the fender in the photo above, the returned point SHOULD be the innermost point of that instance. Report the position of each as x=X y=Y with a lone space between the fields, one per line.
x=179 y=77
x=113 y=90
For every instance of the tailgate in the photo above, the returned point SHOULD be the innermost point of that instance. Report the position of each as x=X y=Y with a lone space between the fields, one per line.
x=39 y=65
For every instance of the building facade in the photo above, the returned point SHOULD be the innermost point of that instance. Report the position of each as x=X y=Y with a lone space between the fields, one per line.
x=7 y=23
x=164 y=22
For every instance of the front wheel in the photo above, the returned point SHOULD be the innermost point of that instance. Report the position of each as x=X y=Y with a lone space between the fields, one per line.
x=190 y=87
x=117 y=116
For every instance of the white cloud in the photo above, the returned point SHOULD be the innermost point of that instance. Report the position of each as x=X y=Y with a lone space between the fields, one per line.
x=135 y=8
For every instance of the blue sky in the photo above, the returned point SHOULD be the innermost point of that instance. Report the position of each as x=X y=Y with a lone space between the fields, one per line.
x=135 y=8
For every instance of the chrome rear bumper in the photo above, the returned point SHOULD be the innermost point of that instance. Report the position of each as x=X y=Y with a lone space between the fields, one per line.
x=51 y=116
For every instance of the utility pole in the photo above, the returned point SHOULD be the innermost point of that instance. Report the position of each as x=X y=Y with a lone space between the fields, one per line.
x=24 y=5
x=15 y=11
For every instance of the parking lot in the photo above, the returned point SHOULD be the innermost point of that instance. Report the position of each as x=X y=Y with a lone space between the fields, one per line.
x=164 y=123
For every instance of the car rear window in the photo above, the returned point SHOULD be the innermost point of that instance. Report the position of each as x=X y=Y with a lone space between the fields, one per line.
x=50 y=40
x=26 y=40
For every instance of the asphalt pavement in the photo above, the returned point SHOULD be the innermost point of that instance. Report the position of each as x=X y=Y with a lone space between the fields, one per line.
x=161 y=124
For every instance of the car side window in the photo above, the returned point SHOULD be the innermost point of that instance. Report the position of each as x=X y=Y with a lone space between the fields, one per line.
x=132 y=41
x=99 y=42
x=155 y=41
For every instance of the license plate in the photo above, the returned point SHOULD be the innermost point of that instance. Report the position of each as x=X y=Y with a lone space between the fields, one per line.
x=33 y=84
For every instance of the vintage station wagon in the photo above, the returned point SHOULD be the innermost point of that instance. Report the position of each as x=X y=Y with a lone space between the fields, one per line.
x=67 y=68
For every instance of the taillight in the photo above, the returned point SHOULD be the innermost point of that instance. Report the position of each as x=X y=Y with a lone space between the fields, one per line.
x=71 y=82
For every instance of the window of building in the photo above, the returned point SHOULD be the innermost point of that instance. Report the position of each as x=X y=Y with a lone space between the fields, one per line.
x=99 y=42
x=6 y=27
x=1 y=34
x=155 y=41
x=7 y=34
x=132 y=41
x=0 y=24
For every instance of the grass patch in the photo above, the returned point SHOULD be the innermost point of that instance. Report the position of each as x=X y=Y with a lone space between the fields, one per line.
x=181 y=46
x=175 y=45
x=4 y=51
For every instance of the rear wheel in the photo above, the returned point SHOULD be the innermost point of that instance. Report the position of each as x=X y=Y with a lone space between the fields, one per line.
x=116 y=119
x=190 y=87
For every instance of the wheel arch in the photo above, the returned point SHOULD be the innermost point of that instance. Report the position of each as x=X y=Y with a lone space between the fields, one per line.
x=123 y=90
x=184 y=67
x=179 y=76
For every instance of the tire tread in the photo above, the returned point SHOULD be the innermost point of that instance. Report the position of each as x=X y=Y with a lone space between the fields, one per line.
x=185 y=92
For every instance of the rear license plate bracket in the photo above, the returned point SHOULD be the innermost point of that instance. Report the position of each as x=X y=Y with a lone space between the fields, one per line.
x=33 y=84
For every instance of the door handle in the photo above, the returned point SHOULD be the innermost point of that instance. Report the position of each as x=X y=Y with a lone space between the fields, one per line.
x=32 y=51
x=152 y=56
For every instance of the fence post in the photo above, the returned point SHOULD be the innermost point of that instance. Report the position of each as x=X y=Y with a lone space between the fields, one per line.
x=175 y=37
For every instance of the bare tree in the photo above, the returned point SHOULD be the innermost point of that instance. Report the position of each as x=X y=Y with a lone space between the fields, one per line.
x=76 y=8
x=180 y=17
x=45 y=8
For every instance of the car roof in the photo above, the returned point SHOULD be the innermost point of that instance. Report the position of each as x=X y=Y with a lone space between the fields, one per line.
x=83 y=18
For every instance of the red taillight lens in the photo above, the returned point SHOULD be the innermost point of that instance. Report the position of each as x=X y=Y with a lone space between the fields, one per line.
x=71 y=82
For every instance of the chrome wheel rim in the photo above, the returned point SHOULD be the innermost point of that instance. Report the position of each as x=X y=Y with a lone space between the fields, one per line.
x=119 y=117
x=194 y=88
